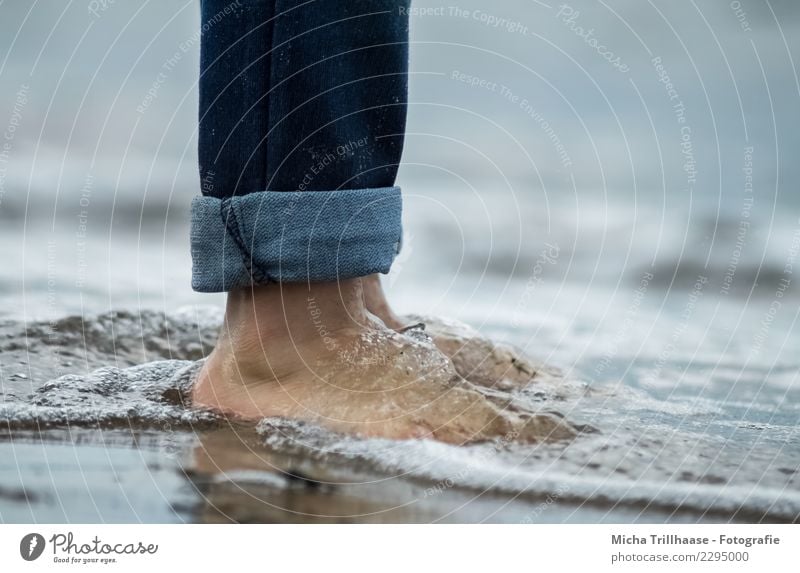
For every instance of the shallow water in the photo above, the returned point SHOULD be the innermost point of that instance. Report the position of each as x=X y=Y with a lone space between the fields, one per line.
x=116 y=443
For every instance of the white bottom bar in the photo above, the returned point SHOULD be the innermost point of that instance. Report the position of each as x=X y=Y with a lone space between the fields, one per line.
x=370 y=548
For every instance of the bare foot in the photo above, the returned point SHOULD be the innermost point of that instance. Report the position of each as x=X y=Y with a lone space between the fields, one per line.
x=475 y=357
x=481 y=360
x=314 y=353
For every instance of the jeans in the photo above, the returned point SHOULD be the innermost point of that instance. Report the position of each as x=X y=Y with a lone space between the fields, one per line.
x=302 y=119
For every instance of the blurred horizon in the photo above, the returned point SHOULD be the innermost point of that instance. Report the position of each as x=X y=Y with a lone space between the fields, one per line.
x=637 y=135
x=507 y=94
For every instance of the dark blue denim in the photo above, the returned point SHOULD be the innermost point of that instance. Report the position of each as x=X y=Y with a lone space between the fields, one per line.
x=302 y=119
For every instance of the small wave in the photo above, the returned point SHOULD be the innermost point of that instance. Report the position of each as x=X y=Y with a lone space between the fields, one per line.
x=580 y=476
x=142 y=396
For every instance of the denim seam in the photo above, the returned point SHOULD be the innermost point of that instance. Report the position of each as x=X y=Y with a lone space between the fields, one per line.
x=267 y=100
x=231 y=224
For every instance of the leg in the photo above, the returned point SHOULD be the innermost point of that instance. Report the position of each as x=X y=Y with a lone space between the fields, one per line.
x=302 y=115
x=302 y=111
x=298 y=96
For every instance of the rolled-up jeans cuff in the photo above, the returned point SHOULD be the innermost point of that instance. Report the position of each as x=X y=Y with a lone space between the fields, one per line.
x=293 y=236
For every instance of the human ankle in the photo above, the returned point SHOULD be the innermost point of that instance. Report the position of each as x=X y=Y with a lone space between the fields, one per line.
x=296 y=311
x=377 y=304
